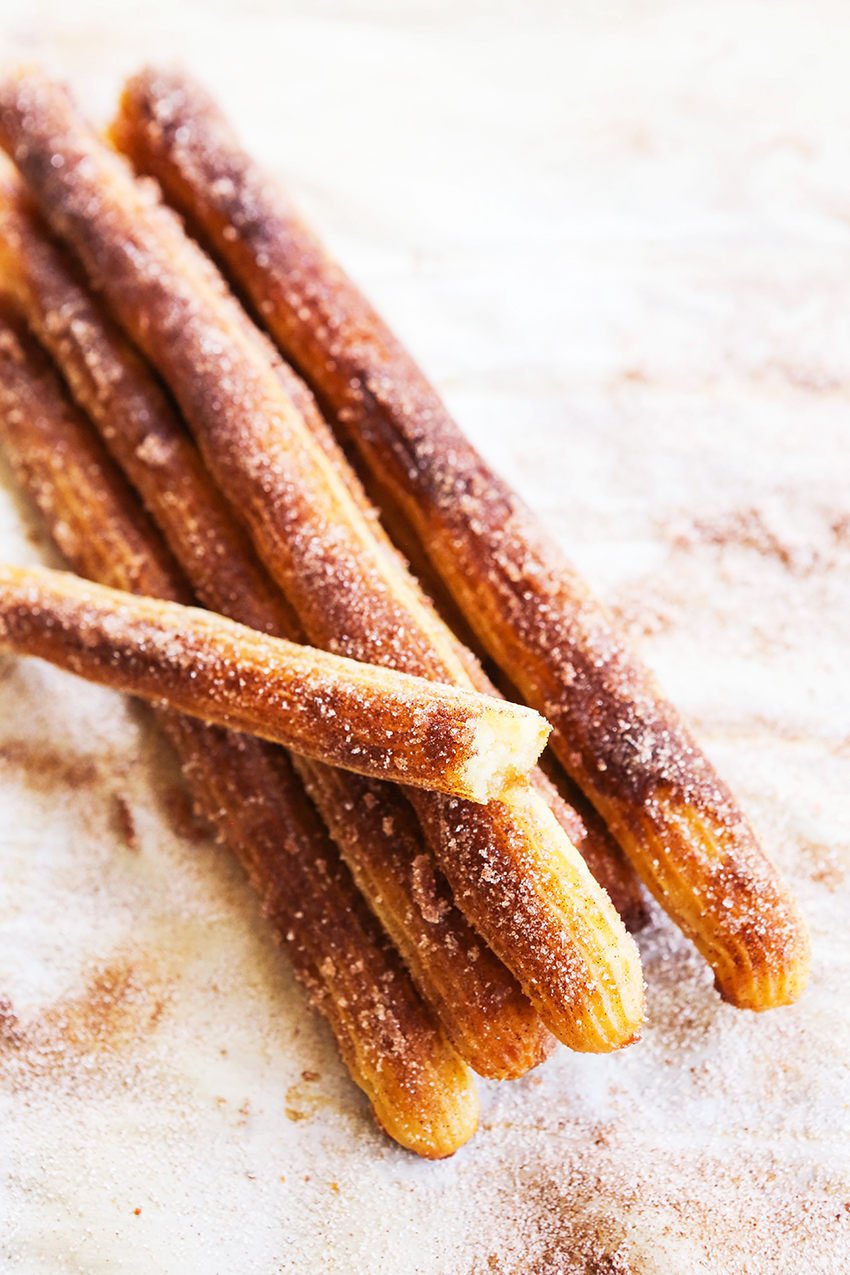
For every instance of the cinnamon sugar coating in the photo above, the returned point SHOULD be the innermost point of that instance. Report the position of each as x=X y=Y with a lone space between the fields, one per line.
x=589 y=833
x=483 y=1011
x=564 y=942
x=367 y=719
x=614 y=733
x=420 y=1090
x=138 y=423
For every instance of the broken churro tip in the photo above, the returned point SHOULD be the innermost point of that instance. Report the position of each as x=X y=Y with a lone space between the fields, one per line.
x=361 y=717
x=503 y=750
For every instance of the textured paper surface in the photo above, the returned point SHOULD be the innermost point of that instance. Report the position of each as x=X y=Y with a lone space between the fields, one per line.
x=618 y=238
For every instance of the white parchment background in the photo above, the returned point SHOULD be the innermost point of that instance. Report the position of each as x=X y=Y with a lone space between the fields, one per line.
x=618 y=238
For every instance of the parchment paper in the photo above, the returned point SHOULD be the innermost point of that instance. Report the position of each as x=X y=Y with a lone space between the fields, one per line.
x=618 y=238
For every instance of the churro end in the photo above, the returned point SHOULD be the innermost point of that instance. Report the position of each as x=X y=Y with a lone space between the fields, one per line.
x=505 y=747
x=436 y=1125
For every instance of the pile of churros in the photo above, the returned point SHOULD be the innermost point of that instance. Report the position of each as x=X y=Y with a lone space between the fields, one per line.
x=240 y=459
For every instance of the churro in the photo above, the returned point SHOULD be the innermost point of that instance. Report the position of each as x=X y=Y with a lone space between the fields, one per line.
x=420 y=1090
x=614 y=733
x=359 y=716
x=483 y=1011
x=511 y=869
x=589 y=833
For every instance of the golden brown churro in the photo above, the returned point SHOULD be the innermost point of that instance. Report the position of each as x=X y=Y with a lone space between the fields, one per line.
x=512 y=869
x=614 y=733
x=358 y=716
x=480 y=1005
x=420 y=1091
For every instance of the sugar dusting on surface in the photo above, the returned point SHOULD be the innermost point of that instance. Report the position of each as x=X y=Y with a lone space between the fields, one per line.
x=720 y=1142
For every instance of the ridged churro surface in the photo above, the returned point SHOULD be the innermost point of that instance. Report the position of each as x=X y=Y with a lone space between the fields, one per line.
x=421 y=1092
x=615 y=734
x=350 y=593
